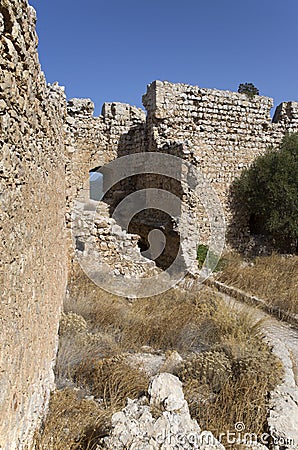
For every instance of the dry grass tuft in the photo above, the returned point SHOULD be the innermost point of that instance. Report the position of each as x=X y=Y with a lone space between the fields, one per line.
x=273 y=278
x=241 y=400
x=112 y=380
x=231 y=385
x=83 y=296
x=77 y=344
x=211 y=369
x=73 y=423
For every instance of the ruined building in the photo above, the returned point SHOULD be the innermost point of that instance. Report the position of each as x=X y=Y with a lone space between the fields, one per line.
x=48 y=148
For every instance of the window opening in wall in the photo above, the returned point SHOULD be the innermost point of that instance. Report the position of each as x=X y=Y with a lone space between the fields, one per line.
x=96 y=184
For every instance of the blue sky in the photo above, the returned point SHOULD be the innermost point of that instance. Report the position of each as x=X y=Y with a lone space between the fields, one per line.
x=109 y=50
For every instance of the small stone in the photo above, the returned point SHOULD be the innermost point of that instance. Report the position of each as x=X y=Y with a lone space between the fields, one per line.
x=101 y=223
x=3 y=105
x=82 y=107
x=173 y=362
x=70 y=120
x=117 y=230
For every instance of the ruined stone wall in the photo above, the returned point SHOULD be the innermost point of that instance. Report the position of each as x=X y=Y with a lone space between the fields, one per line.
x=33 y=256
x=92 y=142
x=219 y=132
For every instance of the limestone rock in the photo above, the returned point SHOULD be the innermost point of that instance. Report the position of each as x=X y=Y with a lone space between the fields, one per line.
x=172 y=363
x=80 y=107
x=166 y=389
x=135 y=427
x=150 y=363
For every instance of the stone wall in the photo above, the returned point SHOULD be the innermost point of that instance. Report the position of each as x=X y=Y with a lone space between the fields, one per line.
x=217 y=132
x=92 y=142
x=220 y=131
x=32 y=193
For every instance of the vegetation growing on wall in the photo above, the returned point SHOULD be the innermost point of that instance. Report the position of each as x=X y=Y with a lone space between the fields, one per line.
x=210 y=259
x=249 y=89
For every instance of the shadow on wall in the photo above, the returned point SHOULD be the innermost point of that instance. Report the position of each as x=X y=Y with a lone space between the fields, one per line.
x=149 y=219
x=245 y=231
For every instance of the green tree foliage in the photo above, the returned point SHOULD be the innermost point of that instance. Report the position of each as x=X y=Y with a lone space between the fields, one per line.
x=249 y=89
x=268 y=192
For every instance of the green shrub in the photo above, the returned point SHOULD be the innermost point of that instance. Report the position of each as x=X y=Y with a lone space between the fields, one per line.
x=249 y=89
x=268 y=193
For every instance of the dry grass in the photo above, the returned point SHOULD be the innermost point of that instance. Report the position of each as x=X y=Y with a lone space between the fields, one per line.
x=77 y=344
x=112 y=380
x=273 y=278
x=73 y=423
x=237 y=401
x=232 y=385
x=176 y=320
x=228 y=382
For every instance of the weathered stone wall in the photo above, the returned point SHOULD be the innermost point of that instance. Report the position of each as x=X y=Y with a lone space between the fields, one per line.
x=219 y=132
x=33 y=256
x=92 y=142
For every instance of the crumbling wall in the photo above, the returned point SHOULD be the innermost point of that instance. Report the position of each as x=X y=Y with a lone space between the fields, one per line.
x=32 y=192
x=92 y=142
x=219 y=132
